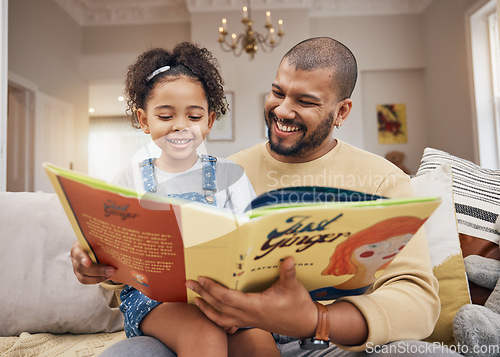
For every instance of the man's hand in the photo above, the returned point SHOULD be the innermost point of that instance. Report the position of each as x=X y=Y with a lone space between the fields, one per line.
x=86 y=271
x=285 y=308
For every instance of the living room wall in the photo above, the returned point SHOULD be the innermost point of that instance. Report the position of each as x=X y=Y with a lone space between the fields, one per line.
x=448 y=86
x=44 y=47
x=429 y=52
x=384 y=46
x=48 y=48
x=107 y=51
x=249 y=79
x=389 y=50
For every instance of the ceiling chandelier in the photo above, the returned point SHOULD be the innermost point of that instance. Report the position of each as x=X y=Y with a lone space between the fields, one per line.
x=250 y=40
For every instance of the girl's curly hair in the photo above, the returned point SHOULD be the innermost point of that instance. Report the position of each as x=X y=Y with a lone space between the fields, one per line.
x=186 y=59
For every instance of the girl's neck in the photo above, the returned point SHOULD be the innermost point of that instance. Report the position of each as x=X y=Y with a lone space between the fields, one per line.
x=168 y=164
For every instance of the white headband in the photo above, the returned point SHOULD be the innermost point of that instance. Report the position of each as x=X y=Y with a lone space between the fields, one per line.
x=156 y=72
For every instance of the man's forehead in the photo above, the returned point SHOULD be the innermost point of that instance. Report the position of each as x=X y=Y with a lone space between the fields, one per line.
x=292 y=68
x=288 y=74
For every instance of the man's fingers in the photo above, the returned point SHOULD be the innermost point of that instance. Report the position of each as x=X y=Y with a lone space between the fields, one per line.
x=215 y=302
x=206 y=290
x=231 y=330
x=220 y=297
x=287 y=273
x=223 y=320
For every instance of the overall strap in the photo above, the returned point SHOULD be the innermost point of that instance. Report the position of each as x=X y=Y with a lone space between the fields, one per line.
x=147 y=173
x=209 y=182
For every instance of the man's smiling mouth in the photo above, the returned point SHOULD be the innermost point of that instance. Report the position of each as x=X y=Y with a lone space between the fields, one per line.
x=286 y=127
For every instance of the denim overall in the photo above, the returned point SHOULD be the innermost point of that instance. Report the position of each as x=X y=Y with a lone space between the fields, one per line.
x=209 y=182
x=135 y=305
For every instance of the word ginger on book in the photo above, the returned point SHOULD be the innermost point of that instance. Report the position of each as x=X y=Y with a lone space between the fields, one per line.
x=157 y=243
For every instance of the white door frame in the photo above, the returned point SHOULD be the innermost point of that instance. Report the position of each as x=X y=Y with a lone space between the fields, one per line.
x=29 y=90
x=3 y=92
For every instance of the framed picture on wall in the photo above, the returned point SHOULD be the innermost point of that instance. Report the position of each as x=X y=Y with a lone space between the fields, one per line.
x=392 y=128
x=223 y=129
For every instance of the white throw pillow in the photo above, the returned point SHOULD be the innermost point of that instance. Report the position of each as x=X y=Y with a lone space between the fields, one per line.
x=444 y=247
x=40 y=290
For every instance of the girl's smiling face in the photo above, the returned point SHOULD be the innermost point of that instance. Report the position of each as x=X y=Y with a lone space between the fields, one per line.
x=178 y=119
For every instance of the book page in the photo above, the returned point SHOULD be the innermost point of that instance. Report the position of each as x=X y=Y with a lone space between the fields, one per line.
x=338 y=249
x=145 y=246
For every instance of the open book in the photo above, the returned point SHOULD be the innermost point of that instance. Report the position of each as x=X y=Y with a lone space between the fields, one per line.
x=157 y=243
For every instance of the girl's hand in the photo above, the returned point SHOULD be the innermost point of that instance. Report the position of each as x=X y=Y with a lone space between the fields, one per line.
x=87 y=272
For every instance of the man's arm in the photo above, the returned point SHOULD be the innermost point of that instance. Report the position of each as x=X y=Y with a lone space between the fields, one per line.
x=86 y=271
x=402 y=305
x=285 y=308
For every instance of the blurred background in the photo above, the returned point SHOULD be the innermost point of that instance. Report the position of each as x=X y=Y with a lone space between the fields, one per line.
x=67 y=59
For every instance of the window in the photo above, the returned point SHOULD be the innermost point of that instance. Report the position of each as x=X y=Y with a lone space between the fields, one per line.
x=485 y=55
x=495 y=68
x=114 y=144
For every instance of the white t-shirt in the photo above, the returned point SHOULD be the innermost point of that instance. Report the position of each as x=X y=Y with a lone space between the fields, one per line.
x=234 y=191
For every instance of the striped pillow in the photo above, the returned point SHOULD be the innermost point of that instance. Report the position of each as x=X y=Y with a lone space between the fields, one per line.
x=476 y=192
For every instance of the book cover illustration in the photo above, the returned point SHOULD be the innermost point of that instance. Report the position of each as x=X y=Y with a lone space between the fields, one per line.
x=158 y=243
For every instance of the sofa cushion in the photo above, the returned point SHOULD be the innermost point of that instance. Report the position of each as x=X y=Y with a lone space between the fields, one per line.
x=476 y=192
x=41 y=292
x=476 y=246
x=444 y=248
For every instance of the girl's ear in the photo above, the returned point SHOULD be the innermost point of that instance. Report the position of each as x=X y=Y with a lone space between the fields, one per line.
x=143 y=120
x=211 y=120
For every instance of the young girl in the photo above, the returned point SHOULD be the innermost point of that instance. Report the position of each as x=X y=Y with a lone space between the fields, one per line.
x=175 y=97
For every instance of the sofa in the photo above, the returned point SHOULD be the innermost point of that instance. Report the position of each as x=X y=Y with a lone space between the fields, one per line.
x=47 y=312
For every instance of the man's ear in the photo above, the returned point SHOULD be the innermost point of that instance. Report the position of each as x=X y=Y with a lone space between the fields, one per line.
x=344 y=108
x=143 y=120
x=211 y=119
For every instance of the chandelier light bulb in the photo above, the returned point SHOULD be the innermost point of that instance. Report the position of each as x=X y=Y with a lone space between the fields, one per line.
x=280 y=28
x=233 y=41
x=268 y=19
x=250 y=40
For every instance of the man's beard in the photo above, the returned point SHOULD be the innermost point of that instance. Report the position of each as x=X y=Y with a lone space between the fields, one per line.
x=305 y=143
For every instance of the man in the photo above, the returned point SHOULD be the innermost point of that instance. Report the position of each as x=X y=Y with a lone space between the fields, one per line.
x=310 y=97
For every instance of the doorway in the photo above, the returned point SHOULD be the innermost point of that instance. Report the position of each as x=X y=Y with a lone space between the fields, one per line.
x=20 y=139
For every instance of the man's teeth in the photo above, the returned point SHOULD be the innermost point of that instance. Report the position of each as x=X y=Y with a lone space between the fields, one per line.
x=287 y=128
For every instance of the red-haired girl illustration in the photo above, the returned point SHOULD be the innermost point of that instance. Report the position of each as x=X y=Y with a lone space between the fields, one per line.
x=370 y=250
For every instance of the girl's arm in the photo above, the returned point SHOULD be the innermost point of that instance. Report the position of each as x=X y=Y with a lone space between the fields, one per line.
x=240 y=191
